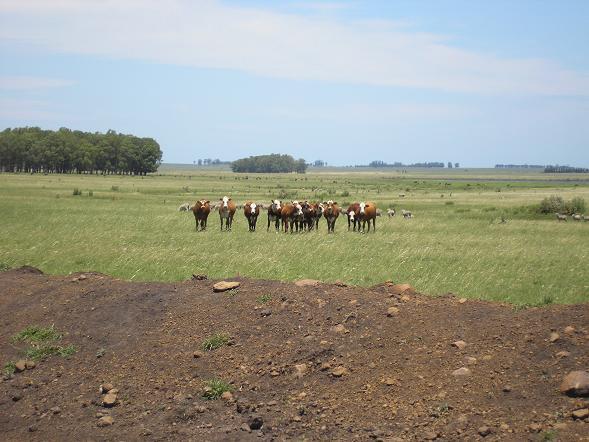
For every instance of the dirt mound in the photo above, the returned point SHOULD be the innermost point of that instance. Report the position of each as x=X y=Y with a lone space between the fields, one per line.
x=321 y=362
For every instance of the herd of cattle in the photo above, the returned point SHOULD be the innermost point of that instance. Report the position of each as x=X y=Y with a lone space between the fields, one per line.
x=574 y=216
x=294 y=216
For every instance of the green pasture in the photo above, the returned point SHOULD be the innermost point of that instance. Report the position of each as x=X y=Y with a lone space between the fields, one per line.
x=129 y=227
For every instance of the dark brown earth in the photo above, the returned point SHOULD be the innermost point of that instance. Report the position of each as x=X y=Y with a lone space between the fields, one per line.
x=397 y=382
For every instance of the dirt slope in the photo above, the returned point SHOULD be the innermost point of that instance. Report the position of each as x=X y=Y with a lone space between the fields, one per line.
x=397 y=381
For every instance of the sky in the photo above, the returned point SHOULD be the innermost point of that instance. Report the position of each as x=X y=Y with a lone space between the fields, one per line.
x=347 y=82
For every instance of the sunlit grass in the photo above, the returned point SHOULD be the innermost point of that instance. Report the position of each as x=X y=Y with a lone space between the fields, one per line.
x=137 y=233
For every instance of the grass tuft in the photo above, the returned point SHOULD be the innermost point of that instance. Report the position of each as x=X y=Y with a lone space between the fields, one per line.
x=216 y=341
x=37 y=334
x=264 y=299
x=214 y=388
x=42 y=343
x=9 y=368
x=4 y=267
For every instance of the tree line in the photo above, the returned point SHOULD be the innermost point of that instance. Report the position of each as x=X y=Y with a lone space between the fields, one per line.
x=31 y=149
x=565 y=169
x=379 y=164
x=274 y=163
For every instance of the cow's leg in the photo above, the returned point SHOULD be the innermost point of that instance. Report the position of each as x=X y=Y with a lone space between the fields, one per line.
x=374 y=224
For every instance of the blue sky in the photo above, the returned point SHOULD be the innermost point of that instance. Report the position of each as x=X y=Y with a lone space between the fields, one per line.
x=474 y=82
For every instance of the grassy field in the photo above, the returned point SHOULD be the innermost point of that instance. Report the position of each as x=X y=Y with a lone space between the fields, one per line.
x=130 y=228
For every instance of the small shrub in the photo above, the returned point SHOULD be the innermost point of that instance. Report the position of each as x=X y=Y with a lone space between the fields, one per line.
x=66 y=352
x=214 y=388
x=90 y=193
x=552 y=204
x=35 y=333
x=4 y=267
x=345 y=193
x=9 y=368
x=548 y=436
x=215 y=341
x=577 y=205
x=449 y=203
x=263 y=299
x=39 y=353
x=77 y=192
x=489 y=209
x=115 y=188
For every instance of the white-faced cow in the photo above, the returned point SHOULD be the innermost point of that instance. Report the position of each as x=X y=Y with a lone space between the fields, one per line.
x=251 y=212
x=352 y=213
x=292 y=215
x=201 y=210
x=274 y=214
x=331 y=213
x=226 y=212
x=366 y=214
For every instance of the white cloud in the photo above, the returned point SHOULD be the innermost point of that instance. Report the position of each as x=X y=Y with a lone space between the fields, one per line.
x=208 y=34
x=26 y=83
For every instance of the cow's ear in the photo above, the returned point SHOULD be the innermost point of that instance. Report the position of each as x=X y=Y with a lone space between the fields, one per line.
x=367 y=205
x=208 y=202
x=220 y=199
x=229 y=199
x=335 y=202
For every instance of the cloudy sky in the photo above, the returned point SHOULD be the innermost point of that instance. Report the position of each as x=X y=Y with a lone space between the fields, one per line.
x=474 y=82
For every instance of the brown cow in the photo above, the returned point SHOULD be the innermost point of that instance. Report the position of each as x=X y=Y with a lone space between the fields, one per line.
x=274 y=214
x=201 y=210
x=330 y=212
x=367 y=213
x=353 y=214
x=309 y=215
x=251 y=212
x=226 y=212
x=292 y=214
x=319 y=208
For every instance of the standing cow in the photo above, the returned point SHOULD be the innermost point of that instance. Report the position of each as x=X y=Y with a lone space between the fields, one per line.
x=309 y=215
x=319 y=209
x=251 y=212
x=353 y=216
x=366 y=214
x=291 y=214
x=226 y=212
x=201 y=210
x=331 y=212
x=274 y=214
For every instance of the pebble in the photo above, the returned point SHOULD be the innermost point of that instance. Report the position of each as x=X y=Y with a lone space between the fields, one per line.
x=338 y=372
x=554 y=336
x=462 y=371
x=256 y=423
x=227 y=396
x=581 y=414
x=245 y=427
x=265 y=312
x=569 y=330
x=20 y=365
x=462 y=300
x=576 y=383
x=301 y=370
x=339 y=328
x=460 y=345
x=563 y=354
x=392 y=311
x=197 y=354
x=307 y=283
x=105 y=421
x=484 y=431
x=55 y=410
x=109 y=400
x=470 y=360
x=30 y=364
x=106 y=387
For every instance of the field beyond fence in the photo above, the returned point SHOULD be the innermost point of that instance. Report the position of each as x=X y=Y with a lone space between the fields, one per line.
x=474 y=233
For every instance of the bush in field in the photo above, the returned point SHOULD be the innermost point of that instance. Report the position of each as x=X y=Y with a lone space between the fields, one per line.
x=556 y=204
x=77 y=192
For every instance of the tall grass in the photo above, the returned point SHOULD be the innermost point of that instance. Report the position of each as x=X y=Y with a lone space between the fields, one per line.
x=461 y=248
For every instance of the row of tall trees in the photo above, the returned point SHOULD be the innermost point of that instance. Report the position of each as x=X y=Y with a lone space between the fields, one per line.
x=274 y=163
x=379 y=164
x=519 y=166
x=31 y=149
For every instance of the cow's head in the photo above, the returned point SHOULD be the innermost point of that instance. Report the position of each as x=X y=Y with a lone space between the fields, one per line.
x=352 y=215
x=275 y=205
x=298 y=209
x=253 y=208
x=225 y=200
x=362 y=207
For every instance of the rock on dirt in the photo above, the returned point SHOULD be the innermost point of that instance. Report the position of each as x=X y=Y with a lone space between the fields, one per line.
x=109 y=400
x=392 y=311
x=461 y=372
x=223 y=286
x=20 y=365
x=581 y=414
x=460 y=345
x=554 y=336
x=105 y=421
x=105 y=388
x=338 y=372
x=576 y=383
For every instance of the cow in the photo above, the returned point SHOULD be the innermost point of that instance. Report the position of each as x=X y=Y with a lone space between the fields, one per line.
x=406 y=214
x=330 y=212
x=367 y=214
x=391 y=212
x=251 y=212
x=226 y=212
x=577 y=217
x=291 y=214
x=319 y=209
x=274 y=214
x=352 y=214
x=184 y=207
x=309 y=215
x=560 y=217
x=201 y=210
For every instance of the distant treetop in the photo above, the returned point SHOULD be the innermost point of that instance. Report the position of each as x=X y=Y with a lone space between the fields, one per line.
x=274 y=163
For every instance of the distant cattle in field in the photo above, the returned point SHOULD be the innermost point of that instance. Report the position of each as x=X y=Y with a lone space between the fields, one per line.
x=251 y=212
x=226 y=212
x=331 y=212
x=577 y=217
x=184 y=207
x=292 y=216
x=201 y=210
x=274 y=214
x=366 y=214
x=352 y=214
x=391 y=212
x=378 y=212
x=560 y=217
x=406 y=214
x=585 y=218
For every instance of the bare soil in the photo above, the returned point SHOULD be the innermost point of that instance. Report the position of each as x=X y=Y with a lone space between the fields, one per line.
x=395 y=371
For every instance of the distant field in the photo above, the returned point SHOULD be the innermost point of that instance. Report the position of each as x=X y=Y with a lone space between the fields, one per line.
x=130 y=228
